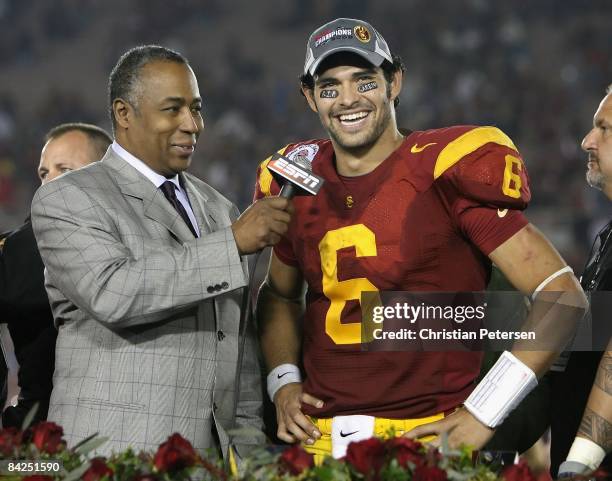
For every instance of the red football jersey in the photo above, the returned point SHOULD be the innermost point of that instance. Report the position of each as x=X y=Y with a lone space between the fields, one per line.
x=424 y=220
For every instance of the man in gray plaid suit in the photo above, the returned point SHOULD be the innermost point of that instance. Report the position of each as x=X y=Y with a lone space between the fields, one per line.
x=144 y=272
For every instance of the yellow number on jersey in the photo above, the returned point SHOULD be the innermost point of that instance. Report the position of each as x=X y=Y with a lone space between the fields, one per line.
x=338 y=292
x=512 y=182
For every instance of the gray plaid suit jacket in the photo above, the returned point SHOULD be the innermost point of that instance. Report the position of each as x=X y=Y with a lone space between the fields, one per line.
x=148 y=316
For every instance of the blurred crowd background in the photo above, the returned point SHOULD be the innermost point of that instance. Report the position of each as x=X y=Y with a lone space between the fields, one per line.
x=536 y=69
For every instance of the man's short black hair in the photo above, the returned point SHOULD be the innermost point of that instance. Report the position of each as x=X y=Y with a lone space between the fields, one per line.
x=388 y=68
x=98 y=137
x=124 y=77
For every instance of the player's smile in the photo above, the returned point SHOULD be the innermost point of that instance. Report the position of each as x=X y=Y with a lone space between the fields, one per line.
x=353 y=121
x=358 y=124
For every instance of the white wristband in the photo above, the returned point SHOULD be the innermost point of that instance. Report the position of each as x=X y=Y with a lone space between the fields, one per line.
x=586 y=452
x=501 y=390
x=281 y=375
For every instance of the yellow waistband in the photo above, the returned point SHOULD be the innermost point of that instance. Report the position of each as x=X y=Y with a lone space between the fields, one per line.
x=381 y=425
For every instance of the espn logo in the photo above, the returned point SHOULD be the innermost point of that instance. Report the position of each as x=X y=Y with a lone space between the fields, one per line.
x=302 y=178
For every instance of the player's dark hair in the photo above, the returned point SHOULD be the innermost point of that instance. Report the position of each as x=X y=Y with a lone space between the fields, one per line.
x=124 y=78
x=97 y=136
x=389 y=69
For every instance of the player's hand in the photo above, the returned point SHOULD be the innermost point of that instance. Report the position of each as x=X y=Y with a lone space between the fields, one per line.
x=293 y=425
x=462 y=428
x=262 y=224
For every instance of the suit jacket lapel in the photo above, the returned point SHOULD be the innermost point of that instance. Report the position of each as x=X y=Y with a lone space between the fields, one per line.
x=202 y=207
x=156 y=207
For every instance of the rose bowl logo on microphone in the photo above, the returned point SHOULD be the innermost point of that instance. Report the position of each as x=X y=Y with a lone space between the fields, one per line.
x=305 y=152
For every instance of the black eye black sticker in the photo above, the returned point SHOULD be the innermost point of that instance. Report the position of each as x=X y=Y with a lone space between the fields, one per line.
x=329 y=94
x=366 y=87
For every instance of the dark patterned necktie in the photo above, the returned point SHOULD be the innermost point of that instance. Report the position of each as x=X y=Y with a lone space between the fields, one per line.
x=169 y=190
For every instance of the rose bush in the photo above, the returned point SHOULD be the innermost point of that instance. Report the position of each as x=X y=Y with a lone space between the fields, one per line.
x=97 y=470
x=395 y=459
x=47 y=437
x=429 y=473
x=296 y=460
x=406 y=450
x=10 y=440
x=367 y=457
x=175 y=454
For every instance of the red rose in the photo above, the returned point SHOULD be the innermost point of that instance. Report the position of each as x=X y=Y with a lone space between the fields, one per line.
x=47 y=437
x=97 y=470
x=406 y=449
x=366 y=456
x=296 y=460
x=429 y=473
x=10 y=438
x=518 y=472
x=175 y=454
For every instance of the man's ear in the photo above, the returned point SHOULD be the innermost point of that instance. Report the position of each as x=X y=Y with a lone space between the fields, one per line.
x=123 y=112
x=309 y=94
x=396 y=84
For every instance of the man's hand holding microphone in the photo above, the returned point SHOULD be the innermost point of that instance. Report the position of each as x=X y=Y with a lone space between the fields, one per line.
x=262 y=224
x=266 y=221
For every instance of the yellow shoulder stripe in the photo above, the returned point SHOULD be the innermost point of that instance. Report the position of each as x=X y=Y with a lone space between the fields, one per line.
x=468 y=143
x=265 y=177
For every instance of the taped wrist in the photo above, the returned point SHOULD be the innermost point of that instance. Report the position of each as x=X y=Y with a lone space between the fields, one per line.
x=281 y=375
x=501 y=390
x=586 y=452
x=569 y=469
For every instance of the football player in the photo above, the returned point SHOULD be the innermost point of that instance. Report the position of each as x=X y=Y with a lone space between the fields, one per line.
x=402 y=211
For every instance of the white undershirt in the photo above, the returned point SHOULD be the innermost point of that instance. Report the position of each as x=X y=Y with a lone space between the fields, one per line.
x=157 y=180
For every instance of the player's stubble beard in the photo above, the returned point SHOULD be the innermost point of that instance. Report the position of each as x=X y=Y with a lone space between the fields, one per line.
x=369 y=138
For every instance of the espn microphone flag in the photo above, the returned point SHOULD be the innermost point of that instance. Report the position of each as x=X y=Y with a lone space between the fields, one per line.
x=296 y=178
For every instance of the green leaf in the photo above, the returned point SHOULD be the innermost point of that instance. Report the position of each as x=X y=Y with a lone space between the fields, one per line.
x=444 y=447
x=90 y=444
x=30 y=417
x=80 y=443
x=77 y=473
x=329 y=473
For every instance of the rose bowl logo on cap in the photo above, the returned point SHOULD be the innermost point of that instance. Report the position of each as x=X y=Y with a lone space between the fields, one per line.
x=362 y=33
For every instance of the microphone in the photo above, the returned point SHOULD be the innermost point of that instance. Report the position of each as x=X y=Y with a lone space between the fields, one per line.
x=294 y=176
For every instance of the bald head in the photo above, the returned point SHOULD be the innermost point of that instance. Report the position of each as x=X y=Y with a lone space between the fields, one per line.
x=70 y=147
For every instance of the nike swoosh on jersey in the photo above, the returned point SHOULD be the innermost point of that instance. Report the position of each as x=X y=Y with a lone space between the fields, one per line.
x=283 y=374
x=415 y=149
x=502 y=212
x=347 y=434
